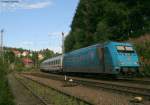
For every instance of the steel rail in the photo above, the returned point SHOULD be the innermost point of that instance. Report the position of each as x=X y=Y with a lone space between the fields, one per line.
x=133 y=90
x=29 y=89
x=137 y=81
x=59 y=91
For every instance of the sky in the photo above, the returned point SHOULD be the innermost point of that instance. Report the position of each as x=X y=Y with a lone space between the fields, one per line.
x=36 y=24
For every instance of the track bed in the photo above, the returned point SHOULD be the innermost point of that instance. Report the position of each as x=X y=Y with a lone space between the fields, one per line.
x=95 y=93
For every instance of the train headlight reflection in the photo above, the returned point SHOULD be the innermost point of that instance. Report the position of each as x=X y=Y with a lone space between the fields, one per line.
x=121 y=63
x=136 y=62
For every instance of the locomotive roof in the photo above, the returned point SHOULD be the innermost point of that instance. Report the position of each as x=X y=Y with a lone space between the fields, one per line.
x=117 y=43
x=88 y=47
x=108 y=43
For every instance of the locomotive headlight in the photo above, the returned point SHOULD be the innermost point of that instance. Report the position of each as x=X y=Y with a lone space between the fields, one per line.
x=136 y=63
x=121 y=63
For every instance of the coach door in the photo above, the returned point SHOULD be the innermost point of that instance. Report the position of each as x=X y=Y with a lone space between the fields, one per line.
x=102 y=59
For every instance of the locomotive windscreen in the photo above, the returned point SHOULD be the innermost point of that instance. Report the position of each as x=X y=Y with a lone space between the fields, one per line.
x=125 y=49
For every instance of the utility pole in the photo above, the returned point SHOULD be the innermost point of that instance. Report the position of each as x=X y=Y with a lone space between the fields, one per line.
x=63 y=44
x=2 y=52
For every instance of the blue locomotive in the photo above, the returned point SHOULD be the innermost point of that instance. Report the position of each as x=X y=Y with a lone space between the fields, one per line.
x=112 y=58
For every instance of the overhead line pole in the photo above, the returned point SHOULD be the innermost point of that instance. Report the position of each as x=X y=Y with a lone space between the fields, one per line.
x=63 y=44
x=2 y=52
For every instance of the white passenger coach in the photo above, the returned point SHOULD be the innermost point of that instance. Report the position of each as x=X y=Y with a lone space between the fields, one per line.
x=53 y=64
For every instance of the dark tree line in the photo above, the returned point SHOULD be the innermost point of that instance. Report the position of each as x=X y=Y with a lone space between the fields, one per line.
x=101 y=20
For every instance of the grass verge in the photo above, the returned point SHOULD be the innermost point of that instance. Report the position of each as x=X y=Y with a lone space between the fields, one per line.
x=51 y=95
x=6 y=97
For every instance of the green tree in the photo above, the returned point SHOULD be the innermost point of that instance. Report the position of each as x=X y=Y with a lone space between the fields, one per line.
x=9 y=56
x=102 y=20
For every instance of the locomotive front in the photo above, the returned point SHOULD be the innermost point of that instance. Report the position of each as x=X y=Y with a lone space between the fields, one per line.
x=125 y=58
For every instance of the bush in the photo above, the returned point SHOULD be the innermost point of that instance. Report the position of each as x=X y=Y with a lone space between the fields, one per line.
x=142 y=47
x=6 y=97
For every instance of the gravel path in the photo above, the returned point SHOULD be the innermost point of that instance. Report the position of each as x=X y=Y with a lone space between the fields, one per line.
x=21 y=94
x=95 y=96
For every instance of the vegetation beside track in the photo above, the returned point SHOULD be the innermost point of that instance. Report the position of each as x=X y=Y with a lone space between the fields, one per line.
x=142 y=47
x=132 y=87
x=102 y=20
x=49 y=94
x=6 y=97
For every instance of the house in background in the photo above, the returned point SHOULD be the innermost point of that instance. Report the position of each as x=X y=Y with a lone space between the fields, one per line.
x=25 y=53
x=17 y=53
x=27 y=62
x=40 y=56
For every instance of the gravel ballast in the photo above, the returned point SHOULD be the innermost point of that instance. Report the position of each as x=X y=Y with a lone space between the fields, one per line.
x=94 y=96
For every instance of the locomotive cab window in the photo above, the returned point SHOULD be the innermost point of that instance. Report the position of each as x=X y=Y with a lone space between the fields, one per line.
x=120 y=48
x=125 y=49
x=129 y=49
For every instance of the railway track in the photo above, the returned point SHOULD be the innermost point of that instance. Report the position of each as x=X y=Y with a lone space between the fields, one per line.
x=56 y=90
x=118 y=87
x=139 y=81
x=132 y=88
x=142 y=81
x=29 y=89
